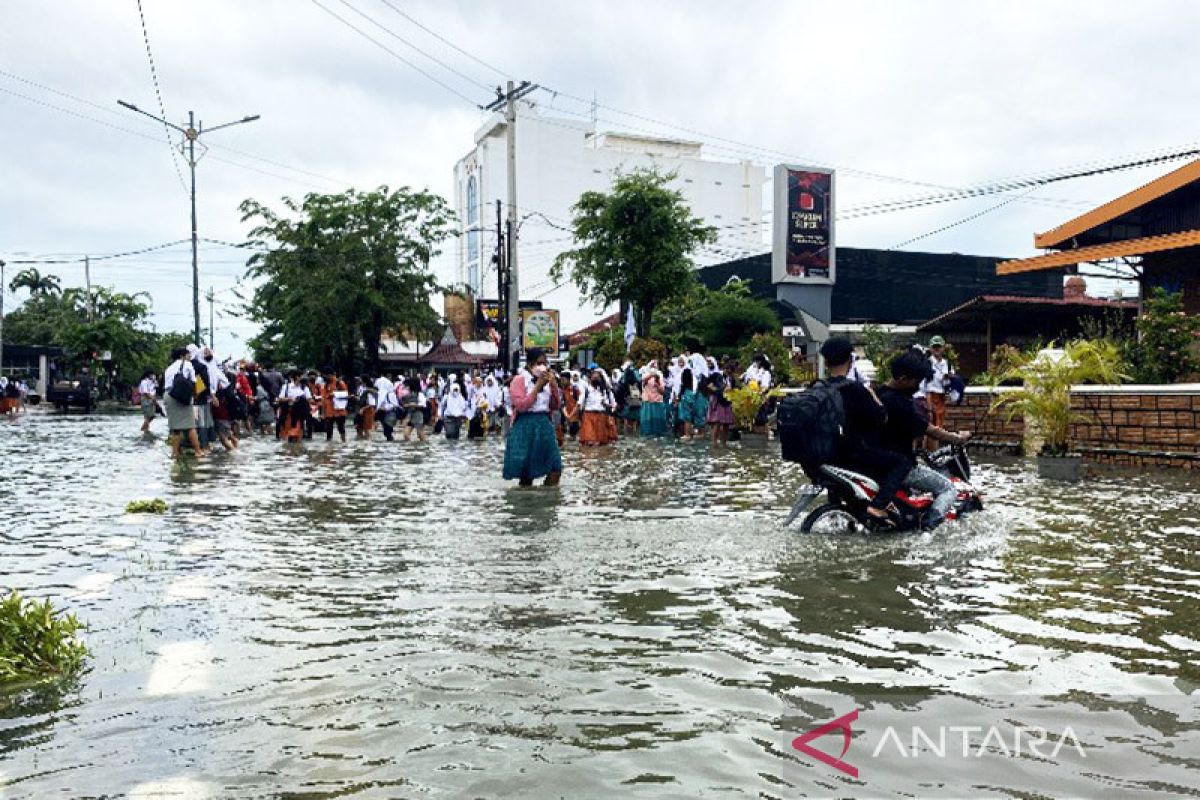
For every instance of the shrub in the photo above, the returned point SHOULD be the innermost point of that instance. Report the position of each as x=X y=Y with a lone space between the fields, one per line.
x=611 y=354
x=36 y=641
x=1163 y=352
x=644 y=351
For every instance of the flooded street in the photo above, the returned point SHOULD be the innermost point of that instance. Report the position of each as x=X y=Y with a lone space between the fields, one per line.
x=393 y=620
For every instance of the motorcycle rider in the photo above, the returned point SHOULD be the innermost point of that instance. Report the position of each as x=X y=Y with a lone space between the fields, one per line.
x=860 y=448
x=905 y=425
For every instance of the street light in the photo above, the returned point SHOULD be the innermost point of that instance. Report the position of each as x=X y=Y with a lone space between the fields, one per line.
x=191 y=134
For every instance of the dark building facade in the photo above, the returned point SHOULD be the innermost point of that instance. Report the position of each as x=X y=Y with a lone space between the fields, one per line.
x=893 y=287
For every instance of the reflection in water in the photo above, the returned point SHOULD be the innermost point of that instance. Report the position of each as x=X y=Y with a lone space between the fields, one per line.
x=395 y=619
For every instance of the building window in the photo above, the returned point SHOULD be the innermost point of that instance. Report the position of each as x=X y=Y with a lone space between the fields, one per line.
x=473 y=231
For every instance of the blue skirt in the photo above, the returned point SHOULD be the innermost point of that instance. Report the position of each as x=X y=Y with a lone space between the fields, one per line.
x=693 y=408
x=654 y=419
x=531 y=450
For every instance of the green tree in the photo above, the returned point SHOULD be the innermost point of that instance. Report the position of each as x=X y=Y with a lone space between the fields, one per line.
x=1166 y=337
x=342 y=270
x=718 y=322
x=635 y=245
x=37 y=283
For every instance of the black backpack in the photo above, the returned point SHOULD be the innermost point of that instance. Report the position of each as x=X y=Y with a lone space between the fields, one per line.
x=810 y=424
x=182 y=389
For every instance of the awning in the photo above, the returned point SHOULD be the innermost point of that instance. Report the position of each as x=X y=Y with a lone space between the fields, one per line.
x=1157 y=188
x=1102 y=252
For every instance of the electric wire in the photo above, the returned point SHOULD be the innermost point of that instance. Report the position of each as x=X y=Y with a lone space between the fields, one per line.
x=158 y=94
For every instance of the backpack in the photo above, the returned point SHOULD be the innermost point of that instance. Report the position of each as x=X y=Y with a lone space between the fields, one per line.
x=634 y=399
x=182 y=389
x=810 y=424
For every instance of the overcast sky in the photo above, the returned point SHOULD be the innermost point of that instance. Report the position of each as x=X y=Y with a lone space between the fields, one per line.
x=947 y=93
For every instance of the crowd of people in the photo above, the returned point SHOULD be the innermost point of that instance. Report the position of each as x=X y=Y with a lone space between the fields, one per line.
x=207 y=402
x=537 y=409
x=13 y=395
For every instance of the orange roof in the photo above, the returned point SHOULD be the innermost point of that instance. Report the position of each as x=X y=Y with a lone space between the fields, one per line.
x=1122 y=205
x=1102 y=252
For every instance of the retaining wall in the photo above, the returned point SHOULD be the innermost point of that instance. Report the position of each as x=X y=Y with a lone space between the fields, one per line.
x=1124 y=425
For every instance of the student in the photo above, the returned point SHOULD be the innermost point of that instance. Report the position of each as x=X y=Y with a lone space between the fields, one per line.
x=148 y=392
x=264 y=411
x=454 y=411
x=905 y=426
x=531 y=450
x=597 y=403
x=859 y=447
x=653 y=419
x=334 y=400
x=294 y=399
x=693 y=407
x=720 y=409
x=387 y=405
x=177 y=396
x=939 y=379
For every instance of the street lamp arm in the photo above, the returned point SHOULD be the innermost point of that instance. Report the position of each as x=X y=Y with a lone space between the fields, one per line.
x=235 y=122
x=132 y=107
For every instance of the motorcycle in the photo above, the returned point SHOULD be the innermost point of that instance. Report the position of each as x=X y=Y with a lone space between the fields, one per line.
x=849 y=493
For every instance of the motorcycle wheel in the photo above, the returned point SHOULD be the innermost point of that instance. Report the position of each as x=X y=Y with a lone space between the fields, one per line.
x=830 y=518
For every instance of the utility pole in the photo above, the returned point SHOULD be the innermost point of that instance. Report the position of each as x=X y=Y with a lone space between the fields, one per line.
x=87 y=280
x=212 y=336
x=501 y=289
x=191 y=134
x=3 y=289
x=508 y=100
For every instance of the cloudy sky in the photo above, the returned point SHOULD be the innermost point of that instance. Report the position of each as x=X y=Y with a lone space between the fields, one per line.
x=900 y=97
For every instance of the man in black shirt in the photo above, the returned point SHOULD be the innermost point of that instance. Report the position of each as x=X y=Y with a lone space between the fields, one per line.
x=860 y=448
x=905 y=426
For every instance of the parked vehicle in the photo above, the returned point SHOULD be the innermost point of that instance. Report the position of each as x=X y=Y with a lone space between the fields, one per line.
x=65 y=392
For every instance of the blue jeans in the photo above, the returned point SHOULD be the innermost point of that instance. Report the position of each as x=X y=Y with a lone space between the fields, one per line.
x=926 y=479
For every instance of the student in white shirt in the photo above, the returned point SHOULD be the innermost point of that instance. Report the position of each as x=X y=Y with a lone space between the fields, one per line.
x=147 y=397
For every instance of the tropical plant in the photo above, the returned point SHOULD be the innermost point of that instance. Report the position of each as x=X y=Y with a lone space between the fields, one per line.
x=634 y=244
x=1043 y=398
x=1167 y=335
x=342 y=270
x=36 y=641
x=37 y=283
x=747 y=401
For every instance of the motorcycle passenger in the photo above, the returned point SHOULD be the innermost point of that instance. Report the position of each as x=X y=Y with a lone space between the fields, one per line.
x=905 y=426
x=860 y=448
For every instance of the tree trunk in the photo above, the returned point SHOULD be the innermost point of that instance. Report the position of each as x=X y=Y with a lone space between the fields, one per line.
x=643 y=319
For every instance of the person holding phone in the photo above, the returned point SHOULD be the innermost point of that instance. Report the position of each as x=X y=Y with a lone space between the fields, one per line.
x=531 y=450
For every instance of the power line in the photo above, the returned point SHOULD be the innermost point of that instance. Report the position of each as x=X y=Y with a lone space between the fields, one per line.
x=392 y=52
x=158 y=94
x=404 y=41
x=445 y=41
x=962 y=221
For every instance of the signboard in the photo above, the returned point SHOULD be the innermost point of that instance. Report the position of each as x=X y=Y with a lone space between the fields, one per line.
x=487 y=314
x=803 y=250
x=539 y=329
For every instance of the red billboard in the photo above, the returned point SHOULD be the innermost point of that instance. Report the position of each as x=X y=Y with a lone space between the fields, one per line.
x=803 y=250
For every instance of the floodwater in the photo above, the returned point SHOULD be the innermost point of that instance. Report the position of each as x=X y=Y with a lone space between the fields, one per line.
x=393 y=620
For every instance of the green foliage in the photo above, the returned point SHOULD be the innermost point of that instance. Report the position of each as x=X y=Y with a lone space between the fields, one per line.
x=747 y=401
x=634 y=245
x=119 y=325
x=346 y=269
x=1167 y=334
x=880 y=347
x=775 y=349
x=1044 y=397
x=643 y=351
x=719 y=323
x=155 y=506
x=32 y=279
x=611 y=354
x=36 y=641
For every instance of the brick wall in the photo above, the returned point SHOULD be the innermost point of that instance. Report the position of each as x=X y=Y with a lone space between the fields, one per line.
x=992 y=430
x=1123 y=425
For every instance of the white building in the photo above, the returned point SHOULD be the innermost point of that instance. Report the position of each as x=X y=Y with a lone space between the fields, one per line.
x=560 y=159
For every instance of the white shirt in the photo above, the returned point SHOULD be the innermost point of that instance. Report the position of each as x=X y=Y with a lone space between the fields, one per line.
x=541 y=404
x=291 y=391
x=385 y=397
x=178 y=367
x=148 y=387
x=759 y=375
x=455 y=405
x=596 y=399
x=941 y=371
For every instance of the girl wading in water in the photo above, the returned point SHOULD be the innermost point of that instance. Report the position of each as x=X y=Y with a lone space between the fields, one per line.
x=531 y=450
